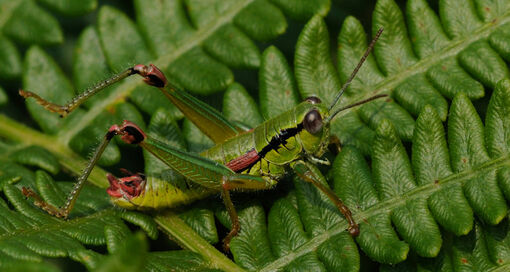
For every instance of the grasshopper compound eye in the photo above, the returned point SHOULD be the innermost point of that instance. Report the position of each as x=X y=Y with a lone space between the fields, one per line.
x=313 y=121
x=151 y=75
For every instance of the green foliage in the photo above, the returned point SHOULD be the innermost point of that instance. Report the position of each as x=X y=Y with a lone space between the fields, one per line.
x=428 y=195
x=130 y=253
x=29 y=235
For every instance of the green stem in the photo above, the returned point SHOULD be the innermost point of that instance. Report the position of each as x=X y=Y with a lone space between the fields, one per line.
x=502 y=268
x=187 y=238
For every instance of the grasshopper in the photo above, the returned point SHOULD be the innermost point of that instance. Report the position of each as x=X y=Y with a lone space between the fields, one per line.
x=244 y=160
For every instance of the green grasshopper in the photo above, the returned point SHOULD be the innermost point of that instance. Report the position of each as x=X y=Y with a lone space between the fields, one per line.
x=244 y=160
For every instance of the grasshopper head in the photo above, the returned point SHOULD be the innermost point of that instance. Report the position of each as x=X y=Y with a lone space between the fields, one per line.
x=315 y=133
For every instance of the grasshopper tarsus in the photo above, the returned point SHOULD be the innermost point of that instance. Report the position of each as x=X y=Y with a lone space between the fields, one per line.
x=353 y=230
x=39 y=202
x=61 y=110
x=233 y=232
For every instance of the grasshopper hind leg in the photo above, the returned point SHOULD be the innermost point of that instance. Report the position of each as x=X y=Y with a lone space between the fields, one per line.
x=45 y=206
x=129 y=132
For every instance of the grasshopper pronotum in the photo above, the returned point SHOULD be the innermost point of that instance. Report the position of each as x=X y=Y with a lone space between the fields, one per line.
x=241 y=160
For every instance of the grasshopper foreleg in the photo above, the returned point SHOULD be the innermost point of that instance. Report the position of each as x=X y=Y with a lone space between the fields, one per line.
x=305 y=172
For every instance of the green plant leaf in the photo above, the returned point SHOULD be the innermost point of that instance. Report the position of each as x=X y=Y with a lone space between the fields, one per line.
x=482 y=61
x=314 y=70
x=251 y=248
x=466 y=141
x=120 y=39
x=275 y=79
x=71 y=8
x=26 y=22
x=236 y=95
x=3 y=97
x=261 y=20
x=431 y=162
x=130 y=257
x=303 y=9
x=36 y=156
x=10 y=60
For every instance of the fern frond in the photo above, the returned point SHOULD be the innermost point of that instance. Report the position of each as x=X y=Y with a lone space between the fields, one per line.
x=426 y=67
x=441 y=207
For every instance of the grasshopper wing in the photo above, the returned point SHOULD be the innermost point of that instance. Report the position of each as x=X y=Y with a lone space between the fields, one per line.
x=201 y=170
x=205 y=117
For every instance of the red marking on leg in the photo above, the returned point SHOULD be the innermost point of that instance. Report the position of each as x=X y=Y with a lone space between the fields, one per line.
x=114 y=129
x=225 y=186
x=141 y=69
x=129 y=131
x=243 y=162
x=131 y=186
x=113 y=190
x=151 y=75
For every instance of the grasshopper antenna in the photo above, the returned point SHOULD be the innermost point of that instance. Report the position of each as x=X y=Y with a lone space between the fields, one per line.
x=360 y=63
x=354 y=105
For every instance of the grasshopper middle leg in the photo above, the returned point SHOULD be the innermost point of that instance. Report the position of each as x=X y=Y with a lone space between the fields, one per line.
x=244 y=182
x=304 y=171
